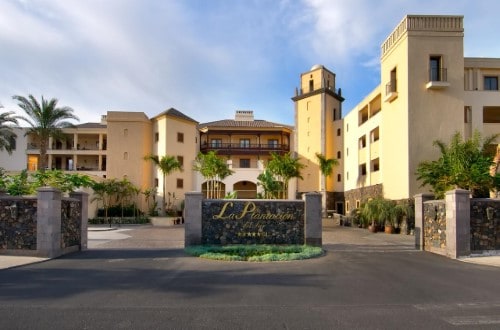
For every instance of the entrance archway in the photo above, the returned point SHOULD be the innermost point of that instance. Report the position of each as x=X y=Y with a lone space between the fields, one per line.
x=245 y=189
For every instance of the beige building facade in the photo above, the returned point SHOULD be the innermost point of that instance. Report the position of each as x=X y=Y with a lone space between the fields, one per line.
x=245 y=144
x=428 y=91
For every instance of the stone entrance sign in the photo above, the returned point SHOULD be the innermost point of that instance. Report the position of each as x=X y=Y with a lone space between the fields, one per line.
x=252 y=222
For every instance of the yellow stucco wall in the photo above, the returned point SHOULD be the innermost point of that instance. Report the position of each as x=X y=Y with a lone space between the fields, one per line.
x=168 y=127
x=129 y=141
x=316 y=129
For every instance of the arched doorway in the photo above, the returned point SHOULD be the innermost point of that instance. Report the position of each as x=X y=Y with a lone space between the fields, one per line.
x=213 y=189
x=245 y=189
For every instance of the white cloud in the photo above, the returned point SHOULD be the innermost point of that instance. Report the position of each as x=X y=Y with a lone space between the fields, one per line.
x=205 y=58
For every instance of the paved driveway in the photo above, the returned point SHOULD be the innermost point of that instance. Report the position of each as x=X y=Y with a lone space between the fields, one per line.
x=365 y=281
x=334 y=238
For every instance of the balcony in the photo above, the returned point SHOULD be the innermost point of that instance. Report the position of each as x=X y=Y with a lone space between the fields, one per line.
x=248 y=149
x=438 y=79
x=391 y=91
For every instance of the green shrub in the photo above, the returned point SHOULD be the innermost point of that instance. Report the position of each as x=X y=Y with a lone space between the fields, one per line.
x=262 y=253
x=117 y=220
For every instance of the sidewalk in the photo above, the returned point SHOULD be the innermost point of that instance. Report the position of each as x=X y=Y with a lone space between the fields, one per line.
x=333 y=236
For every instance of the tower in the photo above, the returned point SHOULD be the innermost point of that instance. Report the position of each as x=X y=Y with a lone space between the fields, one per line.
x=318 y=129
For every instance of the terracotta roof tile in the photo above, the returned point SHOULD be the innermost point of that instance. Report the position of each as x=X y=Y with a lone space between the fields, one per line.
x=228 y=123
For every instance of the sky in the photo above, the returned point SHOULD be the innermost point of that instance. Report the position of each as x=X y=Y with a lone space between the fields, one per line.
x=206 y=58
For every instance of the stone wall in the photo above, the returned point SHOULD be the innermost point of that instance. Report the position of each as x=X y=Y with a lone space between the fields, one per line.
x=362 y=194
x=70 y=223
x=457 y=226
x=435 y=226
x=45 y=226
x=485 y=224
x=18 y=223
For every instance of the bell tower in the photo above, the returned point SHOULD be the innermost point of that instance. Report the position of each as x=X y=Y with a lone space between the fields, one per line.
x=318 y=130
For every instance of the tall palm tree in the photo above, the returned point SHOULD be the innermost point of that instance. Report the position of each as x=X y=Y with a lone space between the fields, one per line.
x=6 y=132
x=45 y=120
x=167 y=165
x=326 y=166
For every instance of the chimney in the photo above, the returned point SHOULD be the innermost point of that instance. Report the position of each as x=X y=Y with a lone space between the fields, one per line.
x=244 y=115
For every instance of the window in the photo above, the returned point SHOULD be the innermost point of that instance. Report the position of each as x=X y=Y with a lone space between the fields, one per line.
x=358 y=203
x=374 y=135
x=362 y=142
x=347 y=151
x=339 y=154
x=125 y=155
x=180 y=183
x=244 y=163
x=311 y=85
x=245 y=143
x=468 y=114
x=216 y=143
x=273 y=143
x=335 y=114
x=491 y=115
x=12 y=143
x=347 y=175
x=393 y=83
x=363 y=115
x=338 y=131
x=490 y=83
x=375 y=165
x=339 y=178
x=391 y=88
x=435 y=71
x=156 y=182
x=157 y=137
x=347 y=206
x=362 y=169
x=180 y=159
x=180 y=137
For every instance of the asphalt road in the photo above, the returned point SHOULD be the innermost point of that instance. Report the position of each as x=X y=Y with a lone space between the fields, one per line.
x=145 y=281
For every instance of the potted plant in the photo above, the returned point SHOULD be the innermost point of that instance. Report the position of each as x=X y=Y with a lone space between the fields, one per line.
x=369 y=212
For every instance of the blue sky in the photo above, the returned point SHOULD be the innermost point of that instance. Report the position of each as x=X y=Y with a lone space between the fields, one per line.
x=206 y=58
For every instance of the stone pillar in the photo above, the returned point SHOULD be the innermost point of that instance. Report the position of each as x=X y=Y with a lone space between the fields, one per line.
x=313 y=229
x=48 y=228
x=419 y=219
x=192 y=218
x=457 y=223
x=83 y=197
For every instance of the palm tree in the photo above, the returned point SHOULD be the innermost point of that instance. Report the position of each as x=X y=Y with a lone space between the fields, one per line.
x=6 y=132
x=464 y=164
x=285 y=167
x=167 y=165
x=46 y=120
x=269 y=184
x=326 y=166
x=213 y=169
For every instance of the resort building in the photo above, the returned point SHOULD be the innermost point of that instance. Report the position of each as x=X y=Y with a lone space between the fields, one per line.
x=428 y=91
x=115 y=148
x=246 y=144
